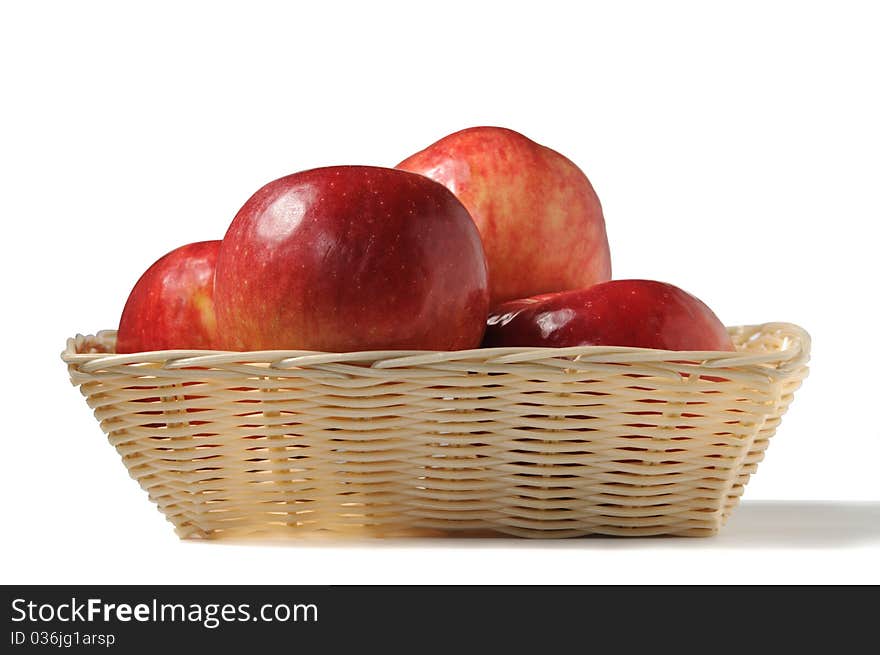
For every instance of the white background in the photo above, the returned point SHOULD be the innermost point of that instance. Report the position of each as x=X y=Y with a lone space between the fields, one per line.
x=735 y=151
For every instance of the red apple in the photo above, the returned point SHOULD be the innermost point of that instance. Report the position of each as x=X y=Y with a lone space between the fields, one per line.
x=351 y=258
x=636 y=313
x=540 y=220
x=172 y=306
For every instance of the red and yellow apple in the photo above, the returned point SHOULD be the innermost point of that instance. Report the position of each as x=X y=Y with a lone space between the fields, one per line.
x=349 y=258
x=538 y=215
x=635 y=313
x=172 y=306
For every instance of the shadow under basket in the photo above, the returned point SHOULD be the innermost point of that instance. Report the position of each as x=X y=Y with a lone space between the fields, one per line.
x=532 y=442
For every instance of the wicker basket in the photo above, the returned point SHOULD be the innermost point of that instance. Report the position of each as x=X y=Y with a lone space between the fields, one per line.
x=521 y=441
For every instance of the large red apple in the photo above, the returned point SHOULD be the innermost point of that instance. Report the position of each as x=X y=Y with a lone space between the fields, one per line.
x=351 y=258
x=636 y=313
x=172 y=306
x=540 y=220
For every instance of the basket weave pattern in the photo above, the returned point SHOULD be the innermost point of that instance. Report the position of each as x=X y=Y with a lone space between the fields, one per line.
x=522 y=441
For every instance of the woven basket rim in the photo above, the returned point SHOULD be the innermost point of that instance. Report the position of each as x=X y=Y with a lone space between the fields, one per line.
x=794 y=353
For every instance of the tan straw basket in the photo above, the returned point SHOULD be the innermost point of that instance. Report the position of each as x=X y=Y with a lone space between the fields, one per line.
x=533 y=442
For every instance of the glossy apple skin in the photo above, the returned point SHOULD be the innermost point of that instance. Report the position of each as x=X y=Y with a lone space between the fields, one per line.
x=350 y=258
x=635 y=313
x=172 y=304
x=538 y=215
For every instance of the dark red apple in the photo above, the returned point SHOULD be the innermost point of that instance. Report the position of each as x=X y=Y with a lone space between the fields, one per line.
x=351 y=258
x=172 y=306
x=635 y=313
x=538 y=215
